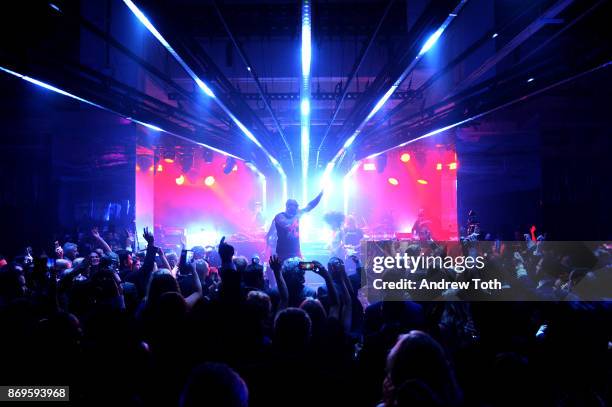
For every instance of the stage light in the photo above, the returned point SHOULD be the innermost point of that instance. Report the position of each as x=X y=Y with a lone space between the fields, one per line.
x=349 y=141
x=530 y=80
x=494 y=35
x=201 y=236
x=306 y=38
x=50 y=87
x=209 y=181
x=80 y=99
x=55 y=7
x=426 y=47
x=439 y=166
x=369 y=167
x=348 y=185
x=160 y=168
x=452 y=166
x=151 y=168
x=180 y=180
x=393 y=181
x=431 y=41
x=169 y=156
x=305 y=107
x=201 y=84
x=137 y=167
x=422 y=181
x=147 y=125
x=405 y=157
x=381 y=102
x=305 y=94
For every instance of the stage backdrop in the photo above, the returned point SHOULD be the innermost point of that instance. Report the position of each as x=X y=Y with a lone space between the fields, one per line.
x=387 y=191
x=203 y=200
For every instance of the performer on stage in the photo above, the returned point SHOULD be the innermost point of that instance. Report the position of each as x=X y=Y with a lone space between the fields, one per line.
x=335 y=220
x=352 y=233
x=287 y=227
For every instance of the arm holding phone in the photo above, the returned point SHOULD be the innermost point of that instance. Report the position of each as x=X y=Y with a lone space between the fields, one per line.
x=163 y=258
x=334 y=304
x=187 y=266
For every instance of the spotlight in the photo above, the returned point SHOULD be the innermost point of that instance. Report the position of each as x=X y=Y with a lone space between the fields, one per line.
x=393 y=181
x=209 y=181
x=405 y=157
x=439 y=166
x=452 y=166
x=369 y=167
x=160 y=168
x=151 y=168
x=530 y=80
x=422 y=181
x=180 y=180
x=229 y=165
x=169 y=156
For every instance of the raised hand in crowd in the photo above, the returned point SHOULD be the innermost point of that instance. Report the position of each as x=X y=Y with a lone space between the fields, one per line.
x=226 y=252
x=334 y=302
x=96 y=235
x=276 y=266
x=59 y=252
x=148 y=236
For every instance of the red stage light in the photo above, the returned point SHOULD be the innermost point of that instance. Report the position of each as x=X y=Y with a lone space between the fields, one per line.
x=405 y=157
x=160 y=168
x=452 y=166
x=369 y=167
x=422 y=181
x=209 y=181
x=439 y=166
x=180 y=180
x=137 y=167
x=151 y=168
x=393 y=181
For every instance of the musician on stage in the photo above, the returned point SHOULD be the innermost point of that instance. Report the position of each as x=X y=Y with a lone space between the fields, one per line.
x=352 y=233
x=336 y=246
x=287 y=227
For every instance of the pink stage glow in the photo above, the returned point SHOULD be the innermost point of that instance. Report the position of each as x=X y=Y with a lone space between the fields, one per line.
x=389 y=201
x=201 y=202
x=206 y=199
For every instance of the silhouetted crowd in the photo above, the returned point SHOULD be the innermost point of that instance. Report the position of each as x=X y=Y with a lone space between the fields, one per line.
x=207 y=327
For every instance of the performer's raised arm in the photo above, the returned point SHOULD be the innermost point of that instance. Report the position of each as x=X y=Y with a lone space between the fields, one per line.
x=312 y=204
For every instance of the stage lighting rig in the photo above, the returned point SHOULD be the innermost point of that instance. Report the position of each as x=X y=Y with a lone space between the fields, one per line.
x=186 y=161
x=168 y=155
x=230 y=162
